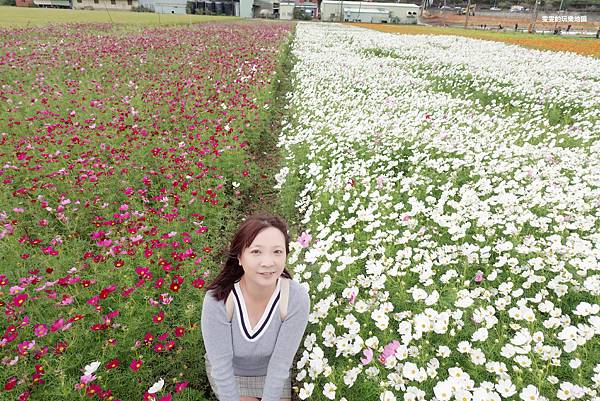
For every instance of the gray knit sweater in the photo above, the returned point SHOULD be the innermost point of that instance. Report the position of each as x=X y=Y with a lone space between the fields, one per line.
x=234 y=348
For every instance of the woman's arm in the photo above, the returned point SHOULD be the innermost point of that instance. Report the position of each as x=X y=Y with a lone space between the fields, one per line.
x=216 y=332
x=290 y=334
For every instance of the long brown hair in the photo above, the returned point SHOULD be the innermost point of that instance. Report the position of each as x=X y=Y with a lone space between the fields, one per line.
x=246 y=233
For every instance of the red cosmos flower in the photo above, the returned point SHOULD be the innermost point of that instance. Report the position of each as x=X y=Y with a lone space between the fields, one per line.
x=181 y=386
x=113 y=363
x=41 y=352
x=98 y=327
x=75 y=318
x=49 y=250
x=159 y=282
x=39 y=369
x=119 y=263
x=166 y=397
x=159 y=347
x=159 y=317
x=60 y=347
x=10 y=383
x=136 y=364
x=179 y=331
x=10 y=336
x=198 y=283
x=110 y=315
x=10 y=329
x=148 y=338
x=24 y=396
x=19 y=299
x=37 y=378
x=207 y=249
x=176 y=284
x=169 y=345
x=106 y=291
x=92 y=390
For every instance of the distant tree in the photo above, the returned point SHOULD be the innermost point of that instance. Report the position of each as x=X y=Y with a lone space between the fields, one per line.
x=8 y=3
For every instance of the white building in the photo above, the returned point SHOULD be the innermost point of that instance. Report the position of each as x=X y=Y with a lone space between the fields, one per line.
x=122 y=5
x=165 y=6
x=286 y=10
x=377 y=16
x=400 y=13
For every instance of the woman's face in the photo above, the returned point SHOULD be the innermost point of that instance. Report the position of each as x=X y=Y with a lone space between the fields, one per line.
x=266 y=254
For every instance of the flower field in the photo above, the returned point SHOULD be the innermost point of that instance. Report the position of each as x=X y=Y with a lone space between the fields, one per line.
x=126 y=160
x=449 y=193
x=583 y=46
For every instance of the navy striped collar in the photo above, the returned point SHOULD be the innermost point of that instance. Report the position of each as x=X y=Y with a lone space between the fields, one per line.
x=253 y=334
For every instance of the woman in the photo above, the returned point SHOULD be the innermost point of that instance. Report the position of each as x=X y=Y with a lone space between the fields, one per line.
x=250 y=357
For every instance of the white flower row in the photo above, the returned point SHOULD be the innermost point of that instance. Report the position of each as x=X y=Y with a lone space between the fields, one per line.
x=455 y=246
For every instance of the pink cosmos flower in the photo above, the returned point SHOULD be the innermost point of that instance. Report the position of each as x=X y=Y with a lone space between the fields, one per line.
x=40 y=330
x=25 y=346
x=85 y=379
x=19 y=299
x=57 y=325
x=180 y=386
x=67 y=300
x=136 y=364
x=390 y=349
x=352 y=298
x=479 y=276
x=304 y=239
x=15 y=289
x=368 y=353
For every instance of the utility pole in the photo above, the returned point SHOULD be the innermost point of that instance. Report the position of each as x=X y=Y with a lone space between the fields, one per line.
x=467 y=12
x=342 y=11
x=533 y=17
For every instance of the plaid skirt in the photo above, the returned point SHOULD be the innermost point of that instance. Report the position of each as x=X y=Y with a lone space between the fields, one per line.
x=249 y=386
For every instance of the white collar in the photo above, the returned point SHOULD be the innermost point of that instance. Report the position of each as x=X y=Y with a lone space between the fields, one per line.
x=253 y=334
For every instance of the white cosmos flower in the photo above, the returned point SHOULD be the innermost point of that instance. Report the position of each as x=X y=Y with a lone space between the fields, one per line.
x=463 y=395
x=506 y=388
x=443 y=351
x=530 y=393
x=443 y=391
x=387 y=396
x=91 y=368
x=410 y=370
x=565 y=392
x=329 y=390
x=306 y=390
x=480 y=335
x=156 y=387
